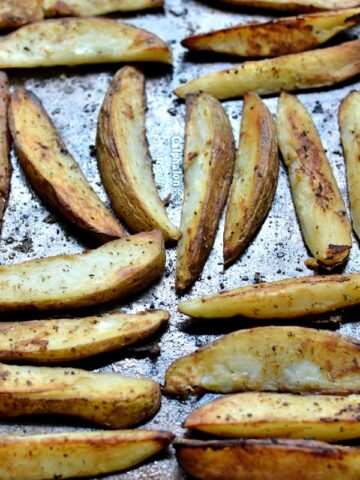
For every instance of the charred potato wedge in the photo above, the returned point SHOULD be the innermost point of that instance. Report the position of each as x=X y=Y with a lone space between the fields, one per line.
x=15 y=13
x=73 y=455
x=284 y=359
x=80 y=41
x=124 y=157
x=295 y=5
x=5 y=166
x=278 y=37
x=208 y=168
x=65 y=340
x=267 y=460
x=84 y=8
x=113 y=271
x=104 y=398
x=54 y=173
x=318 y=202
x=298 y=71
x=275 y=415
x=255 y=177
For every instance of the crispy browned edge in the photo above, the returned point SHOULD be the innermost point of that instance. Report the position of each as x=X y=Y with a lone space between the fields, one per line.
x=5 y=165
x=61 y=8
x=20 y=12
x=294 y=6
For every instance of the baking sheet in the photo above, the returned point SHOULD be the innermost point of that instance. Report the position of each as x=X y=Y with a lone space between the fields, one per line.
x=72 y=96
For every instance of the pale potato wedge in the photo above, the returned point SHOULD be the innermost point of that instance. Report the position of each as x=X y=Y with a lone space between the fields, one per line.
x=104 y=398
x=349 y=121
x=65 y=339
x=255 y=177
x=124 y=158
x=15 y=13
x=318 y=202
x=209 y=159
x=284 y=359
x=90 y=8
x=79 y=41
x=275 y=415
x=73 y=455
x=298 y=71
x=5 y=166
x=277 y=37
x=54 y=173
x=113 y=271
x=295 y=5
x=267 y=460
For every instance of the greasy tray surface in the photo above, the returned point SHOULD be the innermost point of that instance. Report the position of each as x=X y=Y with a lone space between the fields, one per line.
x=73 y=97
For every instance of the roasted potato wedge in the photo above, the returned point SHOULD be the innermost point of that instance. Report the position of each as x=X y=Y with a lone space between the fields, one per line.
x=284 y=359
x=104 y=398
x=5 y=166
x=295 y=5
x=84 y=8
x=349 y=121
x=53 y=172
x=267 y=460
x=15 y=13
x=318 y=202
x=298 y=71
x=72 y=455
x=255 y=177
x=278 y=37
x=269 y=415
x=79 y=41
x=124 y=157
x=208 y=168
x=65 y=340
x=117 y=269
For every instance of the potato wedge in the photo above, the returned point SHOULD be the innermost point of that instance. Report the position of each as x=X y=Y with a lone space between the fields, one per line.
x=117 y=269
x=255 y=178
x=65 y=340
x=86 y=8
x=104 y=398
x=208 y=168
x=5 y=166
x=349 y=121
x=267 y=460
x=54 y=173
x=284 y=359
x=79 y=41
x=269 y=415
x=295 y=5
x=15 y=13
x=72 y=455
x=278 y=37
x=124 y=157
x=318 y=202
x=298 y=71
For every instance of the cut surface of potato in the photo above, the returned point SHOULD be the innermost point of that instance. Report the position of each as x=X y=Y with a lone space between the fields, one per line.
x=15 y=13
x=267 y=415
x=208 y=167
x=278 y=37
x=284 y=359
x=86 y=8
x=78 y=41
x=255 y=177
x=72 y=455
x=64 y=340
x=117 y=269
x=298 y=71
x=267 y=460
x=104 y=398
x=124 y=157
x=5 y=166
x=295 y=5
x=53 y=172
x=318 y=202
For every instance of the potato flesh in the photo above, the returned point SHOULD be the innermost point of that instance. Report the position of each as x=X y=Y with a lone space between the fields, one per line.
x=5 y=166
x=15 y=13
x=92 y=8
x=297 y=5
x=284 y=359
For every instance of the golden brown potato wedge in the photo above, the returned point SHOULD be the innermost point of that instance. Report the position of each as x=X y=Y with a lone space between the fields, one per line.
x=5 y=166
x=267 y=460
x=65 y=340
x=86 y=8
x=79 y=41
x=318 y=202
x=284 y=359
x=349 y=121
x=275 y=415
x=295 y=5
x=72 y=455
x=15 y=13
x=104 y=398
x=208 y=167
x=124 y=157
x=53 y=172
x=298 y=71
x=278 y=37
x=255 y=177
x=117 y=269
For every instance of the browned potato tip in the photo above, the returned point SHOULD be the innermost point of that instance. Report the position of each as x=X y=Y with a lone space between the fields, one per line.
x=84 y=8
x=5 y=165
x=15 y=13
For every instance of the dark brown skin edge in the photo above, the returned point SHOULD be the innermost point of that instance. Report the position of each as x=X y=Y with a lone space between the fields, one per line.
x=289 y=6
x=5 y=165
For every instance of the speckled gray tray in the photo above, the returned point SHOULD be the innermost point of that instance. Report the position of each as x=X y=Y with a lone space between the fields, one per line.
x=73 y=96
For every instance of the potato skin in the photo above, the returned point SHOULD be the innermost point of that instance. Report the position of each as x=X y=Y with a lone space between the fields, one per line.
x=84 y=8
x=15 y=13
x=267 y=460
x=5 y=165
x=255 y=178
x=296 y=5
